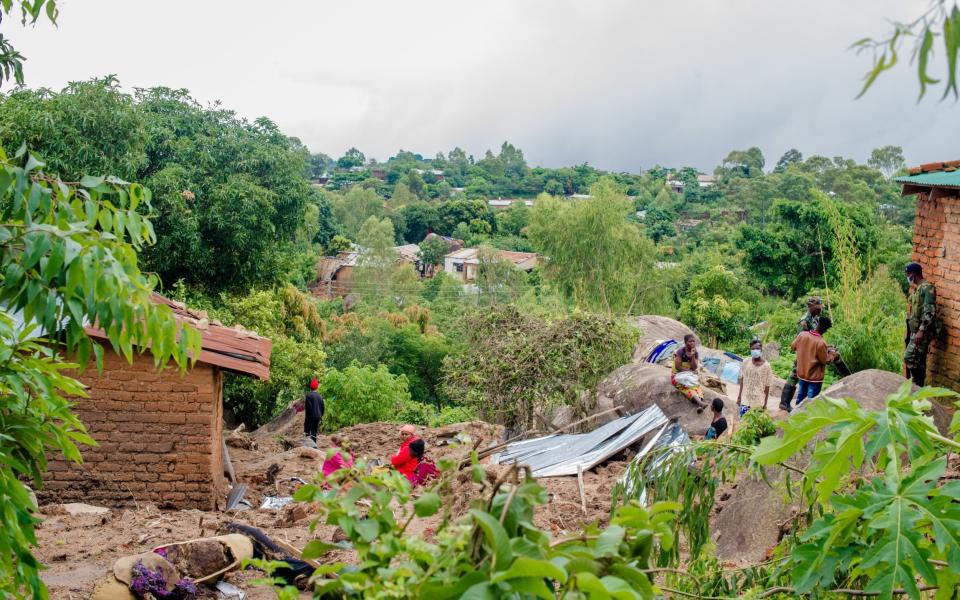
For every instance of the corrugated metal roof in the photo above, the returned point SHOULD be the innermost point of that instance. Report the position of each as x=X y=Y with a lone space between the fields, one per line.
x=232 y=348
x=949 y=179
x=559 y=455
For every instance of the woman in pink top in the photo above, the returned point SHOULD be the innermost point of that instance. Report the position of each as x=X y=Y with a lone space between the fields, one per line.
x=337 y=461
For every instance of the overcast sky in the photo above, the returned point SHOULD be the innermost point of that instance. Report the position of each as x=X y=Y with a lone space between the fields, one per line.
x=622 y=85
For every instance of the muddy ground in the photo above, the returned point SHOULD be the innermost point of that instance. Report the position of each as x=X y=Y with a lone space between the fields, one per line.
x=80 y=549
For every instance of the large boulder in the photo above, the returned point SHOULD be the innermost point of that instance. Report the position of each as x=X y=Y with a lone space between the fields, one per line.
x=655 y=329
x=872 y=387
x=752 y=516
x=637 y=386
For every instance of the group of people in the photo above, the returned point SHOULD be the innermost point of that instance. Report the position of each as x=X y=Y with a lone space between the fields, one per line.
x=813 y=354
x=410 y=459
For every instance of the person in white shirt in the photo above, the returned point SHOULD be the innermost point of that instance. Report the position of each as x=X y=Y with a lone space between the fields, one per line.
x=755 y=378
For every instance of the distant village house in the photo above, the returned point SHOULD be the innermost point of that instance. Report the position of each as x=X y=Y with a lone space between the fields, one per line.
x=464 y=264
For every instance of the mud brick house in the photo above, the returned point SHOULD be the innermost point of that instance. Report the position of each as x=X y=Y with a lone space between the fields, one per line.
x=936 y=246
x=159 y=432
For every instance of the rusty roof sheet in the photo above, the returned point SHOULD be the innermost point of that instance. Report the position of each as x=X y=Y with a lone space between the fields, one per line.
x=327 y=268
x=232 y=348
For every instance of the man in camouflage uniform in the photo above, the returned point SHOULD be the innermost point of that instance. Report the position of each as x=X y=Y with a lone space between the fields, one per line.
x=921 y=315
x=807 y=322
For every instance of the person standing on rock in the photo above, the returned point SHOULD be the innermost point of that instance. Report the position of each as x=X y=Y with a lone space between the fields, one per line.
x=813 y=356
x=807 y=322
x=755 y=378
x=921 y=318
x=312 y=411
x=686 y=369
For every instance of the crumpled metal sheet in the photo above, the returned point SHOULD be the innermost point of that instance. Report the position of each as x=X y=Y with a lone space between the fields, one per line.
x=276 y=502
x=561 y=455
x=672 y=436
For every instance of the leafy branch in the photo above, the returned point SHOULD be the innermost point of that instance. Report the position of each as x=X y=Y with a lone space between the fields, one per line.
x=886 y=51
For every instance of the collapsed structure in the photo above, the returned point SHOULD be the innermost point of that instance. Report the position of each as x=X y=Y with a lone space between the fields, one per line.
x=159 y=433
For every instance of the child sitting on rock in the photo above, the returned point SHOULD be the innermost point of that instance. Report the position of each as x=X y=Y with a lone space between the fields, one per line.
x=719 y=423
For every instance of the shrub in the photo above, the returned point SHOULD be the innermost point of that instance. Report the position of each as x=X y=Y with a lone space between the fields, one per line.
x=292 y=364
x=405 y=342
x=362 y=394
x=754 y=426
x=414 y=412
x=514 y=363
x=453 y=414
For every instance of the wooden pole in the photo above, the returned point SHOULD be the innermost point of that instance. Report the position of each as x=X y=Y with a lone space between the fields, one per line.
x=583 y=496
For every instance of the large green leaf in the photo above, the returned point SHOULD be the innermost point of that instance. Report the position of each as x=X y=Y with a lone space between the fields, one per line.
x=496 y=536
x=529 y=567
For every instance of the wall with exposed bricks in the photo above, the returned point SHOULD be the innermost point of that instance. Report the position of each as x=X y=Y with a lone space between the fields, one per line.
x=159 y=436
x=936 y=246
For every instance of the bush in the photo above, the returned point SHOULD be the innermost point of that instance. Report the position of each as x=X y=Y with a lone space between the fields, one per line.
x=405 y=342
x=754 y=426
x=453 y=414
x=362 y=394
x=291 y=320
x=414 y=412
x=515 y=363
x=292 y=364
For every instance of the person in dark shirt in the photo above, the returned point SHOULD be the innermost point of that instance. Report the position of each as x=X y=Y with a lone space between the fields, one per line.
x=312 y=411
x=719 y=424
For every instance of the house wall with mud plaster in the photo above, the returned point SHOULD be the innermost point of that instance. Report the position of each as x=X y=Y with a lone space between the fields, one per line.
x=159 y=436
x=936 y=246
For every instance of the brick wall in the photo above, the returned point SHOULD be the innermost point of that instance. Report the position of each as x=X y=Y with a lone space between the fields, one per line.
x=159 y=436
x=936 y=246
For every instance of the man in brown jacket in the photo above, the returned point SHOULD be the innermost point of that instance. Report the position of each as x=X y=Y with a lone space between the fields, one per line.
x=813 y=356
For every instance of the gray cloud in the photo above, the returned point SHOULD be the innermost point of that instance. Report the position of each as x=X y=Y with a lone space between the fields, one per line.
x=620 y=84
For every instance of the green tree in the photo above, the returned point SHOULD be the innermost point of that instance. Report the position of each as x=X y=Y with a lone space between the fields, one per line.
x=377 y=256
x=402 y=196
x=595 y=256
x=68 y=254
x=888 y=160
x=451 y=214
x=351 y=158
x=319 y=164
x=659 y=224
x=229 y=195
x=433 y=250
x=716 y=305
x=788 y=256
x=743 y=163
x=498 y=280
x=88 y=127
x=790 y=157
x=419 y=220
x=362 y=394
x=355 y=207
x=513 y=220
x=416 y=185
